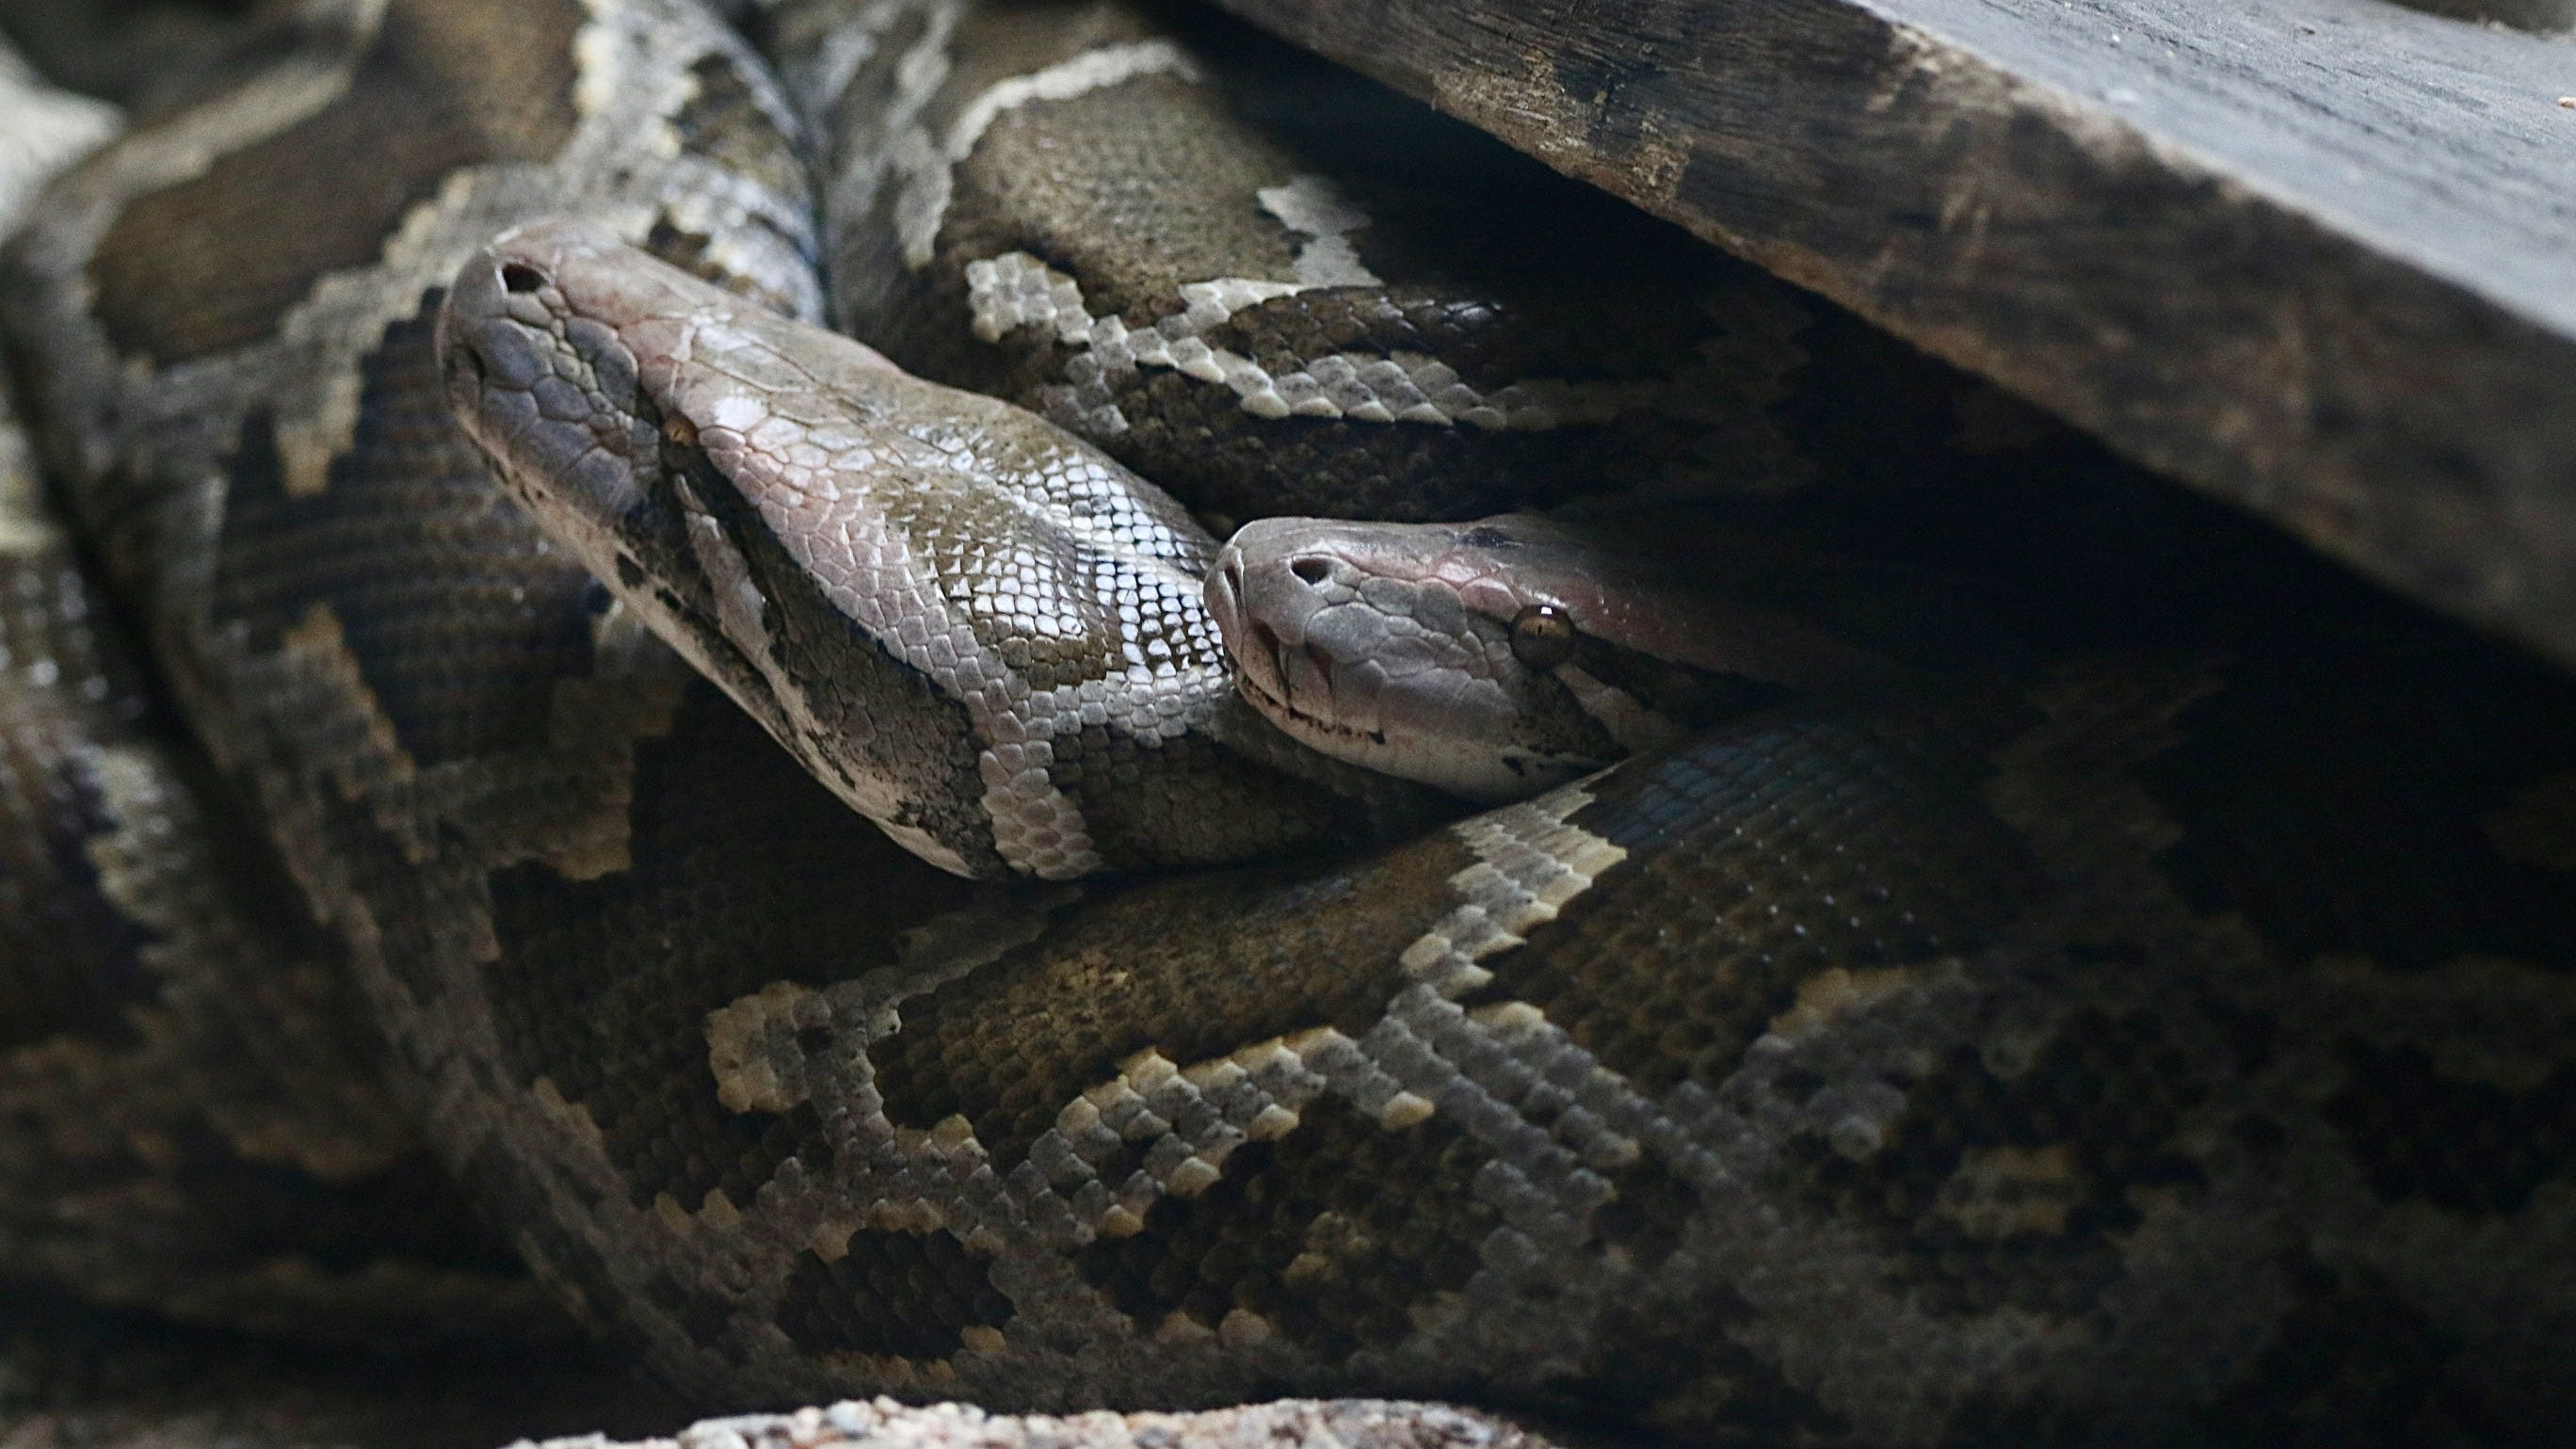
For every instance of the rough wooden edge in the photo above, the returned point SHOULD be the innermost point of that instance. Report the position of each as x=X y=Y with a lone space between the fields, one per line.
x=2405 y=402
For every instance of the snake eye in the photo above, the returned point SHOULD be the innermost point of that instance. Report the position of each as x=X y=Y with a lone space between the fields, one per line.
x=1542 y=636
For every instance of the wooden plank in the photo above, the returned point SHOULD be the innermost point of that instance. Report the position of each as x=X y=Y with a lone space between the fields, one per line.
x=2318 y=256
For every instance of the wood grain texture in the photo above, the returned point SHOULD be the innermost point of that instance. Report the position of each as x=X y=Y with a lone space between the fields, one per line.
x=2318 y=256
x=2526 y=14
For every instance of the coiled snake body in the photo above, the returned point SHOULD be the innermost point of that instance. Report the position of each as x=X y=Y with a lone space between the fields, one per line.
x=2111 y=1043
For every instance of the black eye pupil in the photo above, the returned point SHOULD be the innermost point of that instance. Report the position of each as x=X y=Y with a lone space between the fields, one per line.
x=1543 y=636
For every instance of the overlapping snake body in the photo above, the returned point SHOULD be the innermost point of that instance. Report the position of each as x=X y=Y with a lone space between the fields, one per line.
x=983 y=635
x=1264 y=284
x=2170 y=1046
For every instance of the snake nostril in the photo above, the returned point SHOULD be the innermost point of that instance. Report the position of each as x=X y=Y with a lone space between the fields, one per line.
x=1312 y=569
x=520 y=277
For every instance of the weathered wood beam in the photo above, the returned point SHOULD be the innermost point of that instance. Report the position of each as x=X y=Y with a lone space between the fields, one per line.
x=2318 y=256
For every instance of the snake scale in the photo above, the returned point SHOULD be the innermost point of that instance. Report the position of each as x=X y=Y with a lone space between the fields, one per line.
x=2161 y=1033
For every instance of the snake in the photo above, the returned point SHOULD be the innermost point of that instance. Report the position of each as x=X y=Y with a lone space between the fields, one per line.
x=1907 y=1012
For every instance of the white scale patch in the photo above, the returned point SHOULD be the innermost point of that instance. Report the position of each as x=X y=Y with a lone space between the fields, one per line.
x=44 y=130
x=1155 y=696
x=1530 y=862
x=1016 y=290
x=1314 y=206
x=930 y=167
x=815 y=482
x=25 y=526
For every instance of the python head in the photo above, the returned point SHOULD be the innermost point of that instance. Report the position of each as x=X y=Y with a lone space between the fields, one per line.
x=1495 y=658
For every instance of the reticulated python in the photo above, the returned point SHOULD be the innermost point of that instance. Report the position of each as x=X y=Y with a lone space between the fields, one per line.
x=2114 y=1042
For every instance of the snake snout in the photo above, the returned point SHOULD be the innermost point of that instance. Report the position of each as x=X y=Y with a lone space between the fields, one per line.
x=1225 y=581
x=481 y=346
x=1262 y=607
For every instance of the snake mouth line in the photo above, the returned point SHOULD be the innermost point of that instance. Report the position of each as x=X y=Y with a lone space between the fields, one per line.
x=1276 y=701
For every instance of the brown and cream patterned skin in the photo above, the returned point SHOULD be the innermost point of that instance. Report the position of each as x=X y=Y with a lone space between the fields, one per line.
x=268 y=471
x=984 y=635
x=2170 y=1047
x=1263 y=283
x=192 y=1118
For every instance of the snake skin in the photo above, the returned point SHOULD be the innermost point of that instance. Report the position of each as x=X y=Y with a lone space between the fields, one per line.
x=2177 y=1048
x=191 y=1117
x=191 y=1114
x=984 y=636
x=1356 y=1424
x=1236 y=269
